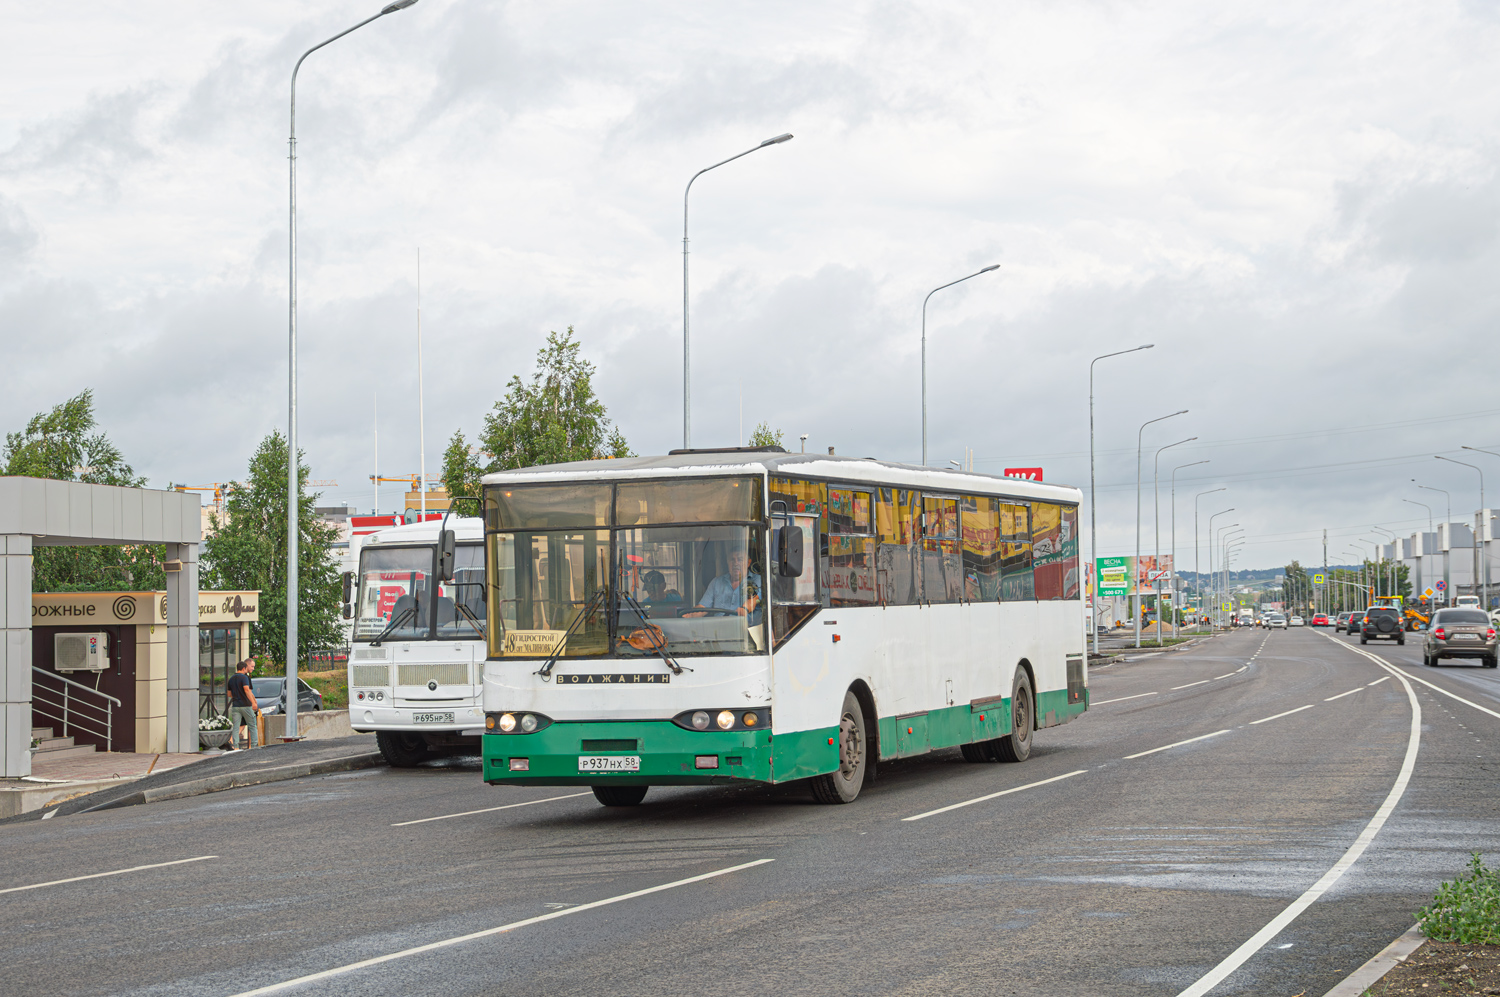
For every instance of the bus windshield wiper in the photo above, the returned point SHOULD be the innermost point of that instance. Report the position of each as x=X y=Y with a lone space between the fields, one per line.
x=408 y=613
x=654 y=634
x=592 y=605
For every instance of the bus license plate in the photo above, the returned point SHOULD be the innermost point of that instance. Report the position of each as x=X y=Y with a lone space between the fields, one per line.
x=432 y=718
x=609 y=763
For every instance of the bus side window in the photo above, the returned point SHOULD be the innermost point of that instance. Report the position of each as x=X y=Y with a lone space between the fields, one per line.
x=1047 y=550
x=942 y=568
x=981 y=547
x=897 y=564
x=1016 y=583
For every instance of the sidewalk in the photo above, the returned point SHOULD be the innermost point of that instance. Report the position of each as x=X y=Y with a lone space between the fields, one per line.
x=187 y=775
x=55 y=779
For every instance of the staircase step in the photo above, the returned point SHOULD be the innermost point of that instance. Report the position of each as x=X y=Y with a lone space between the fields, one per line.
x=54 y=744
x=41 y=733
x=71 y=752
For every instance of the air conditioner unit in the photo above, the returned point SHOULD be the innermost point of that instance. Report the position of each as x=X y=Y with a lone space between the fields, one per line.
x=85 y=652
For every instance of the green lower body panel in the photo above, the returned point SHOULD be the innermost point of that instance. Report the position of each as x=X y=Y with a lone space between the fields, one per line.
x=669 y=755
x=805 y=753
x=919 y=733
x=1053 y=708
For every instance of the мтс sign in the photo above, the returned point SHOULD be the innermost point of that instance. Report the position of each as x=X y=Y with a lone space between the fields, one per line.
x=1024 y=473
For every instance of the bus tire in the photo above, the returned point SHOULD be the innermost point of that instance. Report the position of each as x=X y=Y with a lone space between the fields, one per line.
x=979 y=751
x=843 y=785
x=401 y=750
x=1016 y=746
x=620 y=796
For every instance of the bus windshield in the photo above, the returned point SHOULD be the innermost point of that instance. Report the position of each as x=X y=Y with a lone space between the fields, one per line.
x=674 y=567
x=394 y=588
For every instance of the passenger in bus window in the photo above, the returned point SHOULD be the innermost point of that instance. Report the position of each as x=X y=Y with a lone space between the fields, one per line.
x=734 y=590
x=656 y=588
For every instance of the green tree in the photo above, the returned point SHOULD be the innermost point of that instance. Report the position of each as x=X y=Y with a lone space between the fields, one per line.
x=248 y=551
x=765 y=436
x=66 y=444
x=553 y=419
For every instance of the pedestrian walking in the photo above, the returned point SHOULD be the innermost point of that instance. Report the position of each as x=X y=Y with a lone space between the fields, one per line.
x=242 y=706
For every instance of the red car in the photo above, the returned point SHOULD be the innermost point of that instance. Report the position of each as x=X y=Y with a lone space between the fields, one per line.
x=1322 y=621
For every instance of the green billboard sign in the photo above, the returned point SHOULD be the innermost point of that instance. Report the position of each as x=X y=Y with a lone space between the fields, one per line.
x=1114 y=576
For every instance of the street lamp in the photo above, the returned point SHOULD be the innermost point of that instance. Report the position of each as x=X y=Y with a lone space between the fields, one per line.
x=993 y=266
x=1483 y=527
x=293 y=489
x=1213 y=579
x=1485 y=605
x=1197 y=564
x=1093 y=501
x=1139 y=437
x=1390 y=571
x=1231 y=546
x=1176 y=597
x=1421 y=575
x=1446 y=558
x=687 y=367
x=1156 y=520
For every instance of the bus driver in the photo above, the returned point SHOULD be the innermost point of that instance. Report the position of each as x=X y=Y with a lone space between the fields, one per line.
x=733 y=590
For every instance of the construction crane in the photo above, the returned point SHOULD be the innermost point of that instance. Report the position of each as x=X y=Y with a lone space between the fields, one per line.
x=218 y=488
x=415 y=480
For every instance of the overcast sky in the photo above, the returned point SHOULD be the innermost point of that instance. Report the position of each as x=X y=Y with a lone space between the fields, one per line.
x=1296 y=203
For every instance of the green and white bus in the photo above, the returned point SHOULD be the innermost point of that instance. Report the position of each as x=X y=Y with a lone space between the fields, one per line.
x=751 y=615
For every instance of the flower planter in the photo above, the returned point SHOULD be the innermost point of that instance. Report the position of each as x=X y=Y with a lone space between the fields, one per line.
x=213 y=738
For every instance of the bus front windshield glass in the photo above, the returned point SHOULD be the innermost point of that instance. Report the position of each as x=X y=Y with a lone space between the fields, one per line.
x=460 y=602
x=689 y=590
x=394 y=589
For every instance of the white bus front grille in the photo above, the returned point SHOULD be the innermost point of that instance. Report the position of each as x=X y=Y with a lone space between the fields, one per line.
x=445 y=673
x=369 y=654
x=372 y=674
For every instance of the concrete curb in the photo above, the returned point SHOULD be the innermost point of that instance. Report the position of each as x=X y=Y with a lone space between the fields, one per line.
x=1383 y=962
x=236 y=780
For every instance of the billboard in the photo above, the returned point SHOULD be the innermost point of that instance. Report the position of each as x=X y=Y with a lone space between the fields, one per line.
x=1114 y=576
x=1150 y=568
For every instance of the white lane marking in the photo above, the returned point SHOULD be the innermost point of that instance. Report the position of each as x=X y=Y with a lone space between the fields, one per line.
x=1445 y=692
x=1122 y=699
x=1189 y=685
x=489 y=810
x=1225 y=676
x=1379 y=680
x=1280 y=715
x=1003 y=792
x=1259 y=940
x=1236 y=671
x=116 y=872
x=1175 y=744
x=49 y=815
x=1343 y=694
x=512 y=926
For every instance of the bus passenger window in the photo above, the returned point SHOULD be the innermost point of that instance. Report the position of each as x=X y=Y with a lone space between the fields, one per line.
x=1015 y=553
x=942 y=566
x=897 y=581
x=980 y=528
x=1047 y=550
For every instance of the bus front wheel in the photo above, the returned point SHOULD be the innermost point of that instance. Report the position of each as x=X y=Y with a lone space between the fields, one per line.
x=1016 y=746
x=620 y=796
x=400 y=749
x=843 y=785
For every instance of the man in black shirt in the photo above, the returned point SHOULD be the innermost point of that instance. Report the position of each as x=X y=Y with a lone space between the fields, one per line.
x=242 y=706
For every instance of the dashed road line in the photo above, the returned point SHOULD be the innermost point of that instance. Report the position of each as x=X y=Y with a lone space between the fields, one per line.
x=489 y=810
x=116 y=872
x=1280 y=715
x=991 y=796
x=1189 y=685
x=1343 y=694
x=1176 y=744
x=486 y=933
x=1105 y=702
x=1379 y=680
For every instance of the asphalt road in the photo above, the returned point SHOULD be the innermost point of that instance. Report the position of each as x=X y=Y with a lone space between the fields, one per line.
x=1124 y=875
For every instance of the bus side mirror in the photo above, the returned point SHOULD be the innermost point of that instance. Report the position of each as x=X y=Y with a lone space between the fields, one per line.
x=445 y=556
x=789 y=550
x=348 y=590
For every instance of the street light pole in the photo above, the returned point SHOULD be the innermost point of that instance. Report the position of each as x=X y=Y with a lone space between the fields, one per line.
x=1231 y=544
x=1137 y=567
x=1156 y=520
x=1225 y=533
x=1484 y=557
x=1447 y=584
x=1197 y=545
x=993 y=266
x=1421 y=575
x=1176 y=589
x=1485 y=605
x=293 y=482
x=687 y=367
x=1214 y=584
x=1093 y=500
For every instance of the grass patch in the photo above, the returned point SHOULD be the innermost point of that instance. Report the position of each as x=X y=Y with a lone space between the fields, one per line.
x=1466 y=910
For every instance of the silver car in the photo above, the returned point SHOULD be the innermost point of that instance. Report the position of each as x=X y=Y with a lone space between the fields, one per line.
x=1459 y=633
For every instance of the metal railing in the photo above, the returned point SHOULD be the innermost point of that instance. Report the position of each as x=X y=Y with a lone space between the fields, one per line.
x=74 y=704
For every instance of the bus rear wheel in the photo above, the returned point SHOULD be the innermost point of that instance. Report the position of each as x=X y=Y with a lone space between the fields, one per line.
x=400 y=749
x=844 y=785
x=620 y=796
x=1016 y=746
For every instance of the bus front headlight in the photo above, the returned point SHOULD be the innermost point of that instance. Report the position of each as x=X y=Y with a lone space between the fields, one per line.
x=725 y=720
x=528 y=723
x=700 y=720
x=507 y=722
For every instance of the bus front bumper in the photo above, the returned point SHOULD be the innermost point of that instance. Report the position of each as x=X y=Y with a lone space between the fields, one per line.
x=663 y=754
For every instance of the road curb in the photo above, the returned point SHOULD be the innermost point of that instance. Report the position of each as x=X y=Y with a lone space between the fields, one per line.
x=1383 y=962
x=236 y=780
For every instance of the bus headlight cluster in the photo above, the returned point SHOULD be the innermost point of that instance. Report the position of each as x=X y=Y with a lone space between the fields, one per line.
x=724 y=719
x=515 y=723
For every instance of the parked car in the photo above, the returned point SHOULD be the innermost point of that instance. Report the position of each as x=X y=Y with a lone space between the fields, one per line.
x=1296 y=621
x=1321 y=620
x=1459 y=633
x=1382 y=623
x=270 y=695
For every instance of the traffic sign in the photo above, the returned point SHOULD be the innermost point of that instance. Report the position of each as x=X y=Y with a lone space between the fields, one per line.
x=1427 y=594
x=1228 y=606
x=1440 y=585
x=1319 y=579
